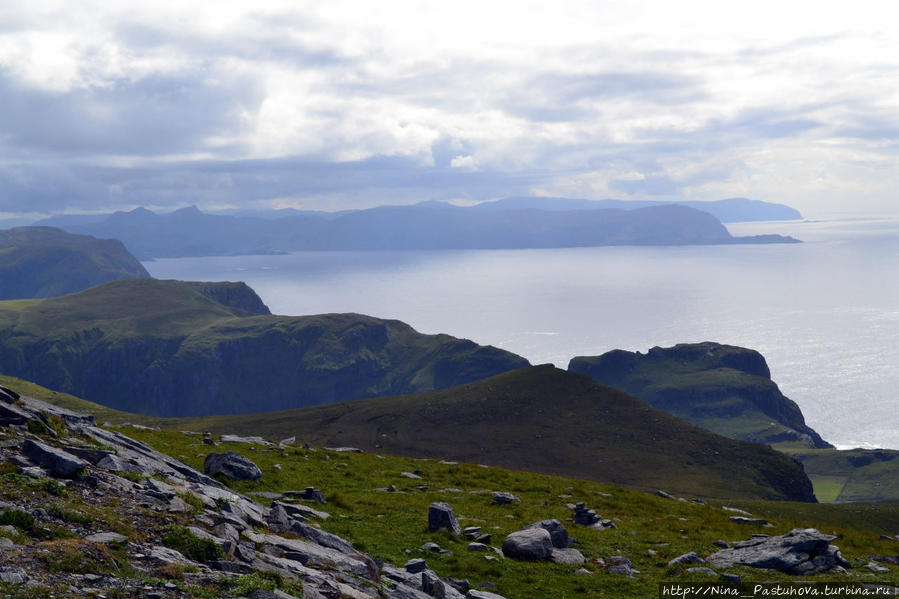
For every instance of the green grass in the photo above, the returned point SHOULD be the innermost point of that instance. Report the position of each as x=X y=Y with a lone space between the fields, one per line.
x=828 y=488
x=392 y=526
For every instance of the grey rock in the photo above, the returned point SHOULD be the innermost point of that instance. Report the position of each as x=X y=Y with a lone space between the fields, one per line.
x=432 y=585
x=528 y=544
x=232 y=466
x=621 y=566
x=414 y=566
x=277 y=519
x=6 y=543
x=732 y=578
x=114 y=463
x=460 y=584
x=745 y=520
x=320 y=537
x=56 y=461
x=239 y=439
x=90 y=454
x=478 y=547
x=687 y=558
x=567 y=556
x=301 y=512
x=582 y=572
x=441 y=515
x=409 y=475
x=722 y=544
x=432 y=547
x=502 y=498
x=800 y=551
x=661 y=493
x=107 y=538
x=557 y=532
x=12 y=575
x=702 y=570
x=473 y=594
x=309 y=494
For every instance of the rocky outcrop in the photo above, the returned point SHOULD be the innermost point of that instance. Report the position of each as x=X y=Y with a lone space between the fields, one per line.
x=800 y=551
x=705 y=384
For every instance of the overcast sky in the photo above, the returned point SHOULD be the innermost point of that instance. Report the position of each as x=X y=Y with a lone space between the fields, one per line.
x=343 y=104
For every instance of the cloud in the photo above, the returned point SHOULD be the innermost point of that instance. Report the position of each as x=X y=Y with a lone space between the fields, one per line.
x=347 y=104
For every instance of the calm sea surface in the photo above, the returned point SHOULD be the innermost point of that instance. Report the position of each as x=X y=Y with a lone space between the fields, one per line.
x=824 y=313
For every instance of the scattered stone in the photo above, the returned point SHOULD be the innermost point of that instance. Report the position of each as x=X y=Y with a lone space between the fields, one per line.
x=587 y=517
x=13 y=575
x=56 y=461
x=876 y=568
x=699 y=501
x=340 y=449
x=478 y=547
x=744 y=520
x=621 y=566
x=288 y=441
x=391 y=489
x=661 y=493
x=441 y=515
x=567 y=556
x=582 y=572
x=528 y=544
x=720 y=543
x=800 y=551
x=732 y=578
x=687 y=558
x=250 y=440
x=6 y=543
x=410 y=475
x=308 y=494
x=702 y=570
x=232 y=466
x=502 y=498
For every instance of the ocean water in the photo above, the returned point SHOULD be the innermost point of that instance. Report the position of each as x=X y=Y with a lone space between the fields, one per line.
x=824 y=313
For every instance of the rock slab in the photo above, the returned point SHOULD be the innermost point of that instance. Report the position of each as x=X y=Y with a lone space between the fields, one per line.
x=231 y=465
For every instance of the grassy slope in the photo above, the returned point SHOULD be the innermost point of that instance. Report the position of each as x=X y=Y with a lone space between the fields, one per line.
x=393 y=525
x=47 y=262
x=171 y=347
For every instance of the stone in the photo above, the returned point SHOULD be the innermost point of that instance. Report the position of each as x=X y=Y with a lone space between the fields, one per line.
x=567 y=556
x=232 y=466
x=409 y=475
x=432 y=585
x=720 y=543
x=661 y=493
x=501 y=498
x=309 y=494
x=745 y=520
x=621 y=566
x=478 y=547
x=107 y=538
x=800 y=551
x=473 y=594
x=702 y=570
x=687 y=558
x=416 y=565
x=13 y=575
x=528 y=544
x=732 y=579
x=557 y=532
x=441 y=515
x=320 y=537
x=6 y=543
x=56 y=461
x=277 y=519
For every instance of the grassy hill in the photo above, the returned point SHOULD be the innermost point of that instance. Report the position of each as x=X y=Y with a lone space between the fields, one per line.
x=539 y=419
x=173 y=348
x=722 y=388
x=48 y=262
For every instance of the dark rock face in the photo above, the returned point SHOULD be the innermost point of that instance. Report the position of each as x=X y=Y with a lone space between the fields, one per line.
x=231 y=465
x=441 y=515
x=800 y=551
x=528 y=544
x=696 y=381
x=57 y=461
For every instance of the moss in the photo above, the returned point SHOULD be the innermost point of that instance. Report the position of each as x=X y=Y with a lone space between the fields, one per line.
x=190 y=545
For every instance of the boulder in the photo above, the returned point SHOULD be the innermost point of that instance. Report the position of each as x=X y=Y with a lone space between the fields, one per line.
x=57 y=461
x=557 y=532
x=800 y=551
x=441 y=515
x=528 y=544
x=231 y=465
x=567 y=556
x=502 y=498
x=687 y=558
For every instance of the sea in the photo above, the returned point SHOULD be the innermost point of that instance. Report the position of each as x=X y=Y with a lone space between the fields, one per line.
x=824 y=313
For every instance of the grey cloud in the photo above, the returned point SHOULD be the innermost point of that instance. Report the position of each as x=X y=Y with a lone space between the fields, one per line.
x=155 y=115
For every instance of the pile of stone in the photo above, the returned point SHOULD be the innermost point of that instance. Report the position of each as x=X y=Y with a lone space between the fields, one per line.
x=589 y=518
x=544 y=540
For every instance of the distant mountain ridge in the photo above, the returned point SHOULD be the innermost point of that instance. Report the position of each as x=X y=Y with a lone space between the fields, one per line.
x=429 y=226
x=722 y=388
x=48 y=262
x=173 y=348
x=727 y=211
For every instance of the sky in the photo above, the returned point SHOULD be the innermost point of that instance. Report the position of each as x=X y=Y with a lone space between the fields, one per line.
x=350 y=104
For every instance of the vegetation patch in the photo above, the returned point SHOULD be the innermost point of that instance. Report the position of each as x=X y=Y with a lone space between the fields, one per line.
x=79 y=557
x=191 y=546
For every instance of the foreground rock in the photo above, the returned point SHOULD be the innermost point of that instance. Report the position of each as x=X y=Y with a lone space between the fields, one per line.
x=800 y=551
x=231 y=465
